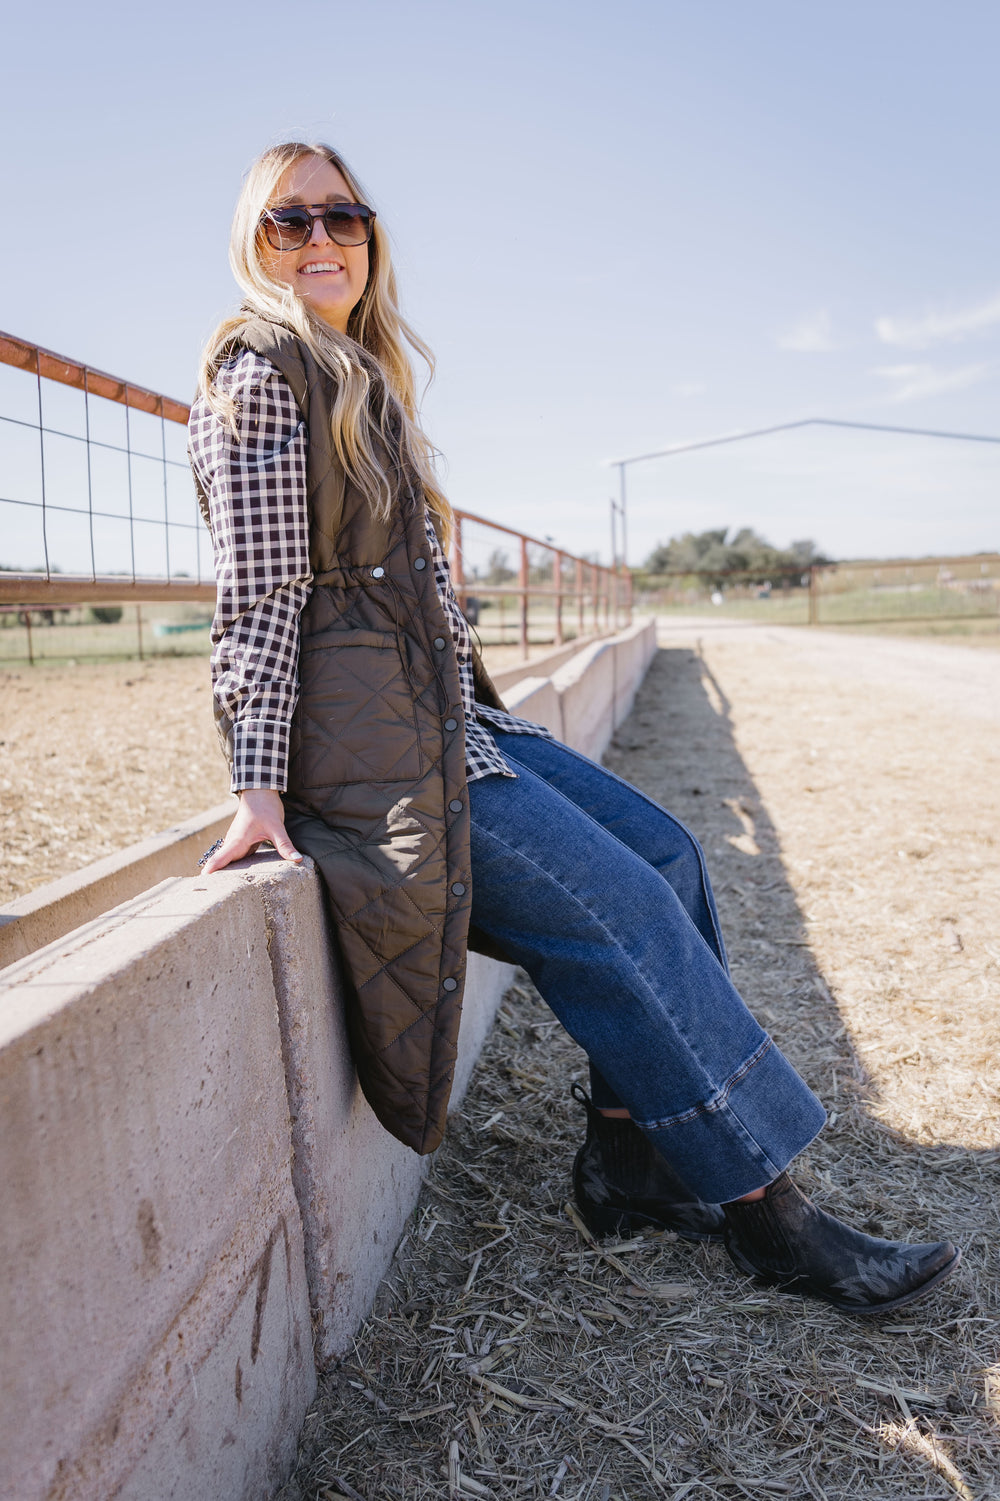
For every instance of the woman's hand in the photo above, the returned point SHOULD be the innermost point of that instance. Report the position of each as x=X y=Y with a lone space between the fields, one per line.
x=260 y=816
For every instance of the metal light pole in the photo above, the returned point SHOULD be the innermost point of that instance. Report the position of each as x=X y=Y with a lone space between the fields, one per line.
x=781 y=427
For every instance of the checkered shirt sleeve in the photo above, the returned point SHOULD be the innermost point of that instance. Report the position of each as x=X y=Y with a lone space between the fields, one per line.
x=255 y=479
x=482 y=758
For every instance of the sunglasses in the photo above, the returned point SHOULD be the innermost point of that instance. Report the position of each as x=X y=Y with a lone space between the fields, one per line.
x=290 y=228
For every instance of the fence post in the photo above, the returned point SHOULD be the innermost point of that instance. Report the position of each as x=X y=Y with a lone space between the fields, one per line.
x=628 y=595
x=138 y=627
x=579 y=595
x=523 y=582
x=27 y=626
x=557 y=564
x=813 y=595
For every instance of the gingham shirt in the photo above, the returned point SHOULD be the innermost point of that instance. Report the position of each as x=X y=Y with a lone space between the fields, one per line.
x=256 y=485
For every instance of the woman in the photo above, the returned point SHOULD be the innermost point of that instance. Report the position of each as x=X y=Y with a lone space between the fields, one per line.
x=364 y=732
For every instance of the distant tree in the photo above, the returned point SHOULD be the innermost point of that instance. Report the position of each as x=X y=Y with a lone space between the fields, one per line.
x=710 y=554
x=106 y=614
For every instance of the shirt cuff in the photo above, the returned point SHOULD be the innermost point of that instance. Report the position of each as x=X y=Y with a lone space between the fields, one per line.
x=260 y=754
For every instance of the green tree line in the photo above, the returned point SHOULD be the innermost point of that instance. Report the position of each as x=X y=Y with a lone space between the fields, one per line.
x=713 y=554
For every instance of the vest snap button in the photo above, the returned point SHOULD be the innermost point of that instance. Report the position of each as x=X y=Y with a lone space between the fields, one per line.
x=458 y=889
x=378 y=573
x=420 y=564
x=439 y=643
x=450 y=984
x=451 y=724
x=455 y=806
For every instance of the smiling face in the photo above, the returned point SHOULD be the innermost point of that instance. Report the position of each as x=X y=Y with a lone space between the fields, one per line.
x=330 y=278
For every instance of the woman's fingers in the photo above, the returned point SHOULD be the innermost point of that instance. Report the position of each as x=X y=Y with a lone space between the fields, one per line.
x=233 y=848
x=259 y=818
x=285 y=847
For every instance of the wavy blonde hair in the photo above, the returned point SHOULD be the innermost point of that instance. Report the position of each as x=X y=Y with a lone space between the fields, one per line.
x=375 y=396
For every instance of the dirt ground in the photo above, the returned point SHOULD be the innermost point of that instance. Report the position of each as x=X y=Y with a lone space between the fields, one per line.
x=97 y=756
x=846 y=790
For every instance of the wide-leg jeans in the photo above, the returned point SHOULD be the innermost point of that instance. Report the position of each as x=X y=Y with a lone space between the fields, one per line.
x=604 y=899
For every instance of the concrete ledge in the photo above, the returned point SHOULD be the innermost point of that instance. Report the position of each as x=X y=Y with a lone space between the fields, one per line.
x=156 y=1315
x=545 y=665
x=596 y=688
x=60 y=906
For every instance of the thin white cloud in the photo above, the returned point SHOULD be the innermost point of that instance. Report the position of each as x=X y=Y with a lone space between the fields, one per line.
x=811 y=335
x=913 y=381
x=687 y=388
x=939 y=328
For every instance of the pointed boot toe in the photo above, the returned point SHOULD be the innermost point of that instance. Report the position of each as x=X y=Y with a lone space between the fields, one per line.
x=784 y=1240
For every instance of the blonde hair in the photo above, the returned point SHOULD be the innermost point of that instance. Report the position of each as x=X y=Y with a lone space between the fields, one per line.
x=375 y=401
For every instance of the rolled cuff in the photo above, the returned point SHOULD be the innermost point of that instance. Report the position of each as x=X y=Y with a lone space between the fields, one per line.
x=747 y=1134
x=260 y=754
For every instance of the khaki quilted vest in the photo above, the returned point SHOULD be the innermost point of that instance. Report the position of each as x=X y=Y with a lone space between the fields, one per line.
x=377 y=793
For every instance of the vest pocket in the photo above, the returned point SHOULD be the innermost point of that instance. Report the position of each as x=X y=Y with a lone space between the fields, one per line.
x=355 y=720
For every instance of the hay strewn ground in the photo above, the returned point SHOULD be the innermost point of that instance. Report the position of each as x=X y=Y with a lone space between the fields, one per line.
x=508 y=1357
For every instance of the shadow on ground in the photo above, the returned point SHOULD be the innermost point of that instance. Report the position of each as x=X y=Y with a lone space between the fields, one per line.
x=508 y=1358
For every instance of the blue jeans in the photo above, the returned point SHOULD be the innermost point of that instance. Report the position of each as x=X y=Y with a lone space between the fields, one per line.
x=604 y=899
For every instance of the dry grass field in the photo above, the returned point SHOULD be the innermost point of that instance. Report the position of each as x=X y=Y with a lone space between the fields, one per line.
x=846 y=789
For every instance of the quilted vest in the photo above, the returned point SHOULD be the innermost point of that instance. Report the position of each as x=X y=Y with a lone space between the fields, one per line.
x=376 y=789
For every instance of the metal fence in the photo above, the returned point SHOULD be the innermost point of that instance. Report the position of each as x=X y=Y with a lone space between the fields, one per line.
x=97 y=511
x=874 y=592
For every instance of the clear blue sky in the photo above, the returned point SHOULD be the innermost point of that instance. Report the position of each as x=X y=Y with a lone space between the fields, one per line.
x=619 y=227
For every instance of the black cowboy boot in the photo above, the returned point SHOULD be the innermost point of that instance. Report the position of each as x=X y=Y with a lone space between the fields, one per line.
x=622 y=1185
x=785 y=1240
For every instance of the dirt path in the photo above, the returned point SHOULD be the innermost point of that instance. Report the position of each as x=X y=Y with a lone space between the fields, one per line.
x=849 y=828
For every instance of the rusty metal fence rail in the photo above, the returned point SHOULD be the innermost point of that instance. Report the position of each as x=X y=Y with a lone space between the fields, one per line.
x=97 y=511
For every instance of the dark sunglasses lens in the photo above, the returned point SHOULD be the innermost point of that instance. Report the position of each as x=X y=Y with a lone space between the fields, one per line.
x=287 y=228
x=348 y=223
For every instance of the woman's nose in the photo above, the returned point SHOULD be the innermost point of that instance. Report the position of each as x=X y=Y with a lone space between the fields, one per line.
x=319 y=235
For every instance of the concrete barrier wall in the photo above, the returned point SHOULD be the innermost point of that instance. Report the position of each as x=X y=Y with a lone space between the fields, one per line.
x=155 y=1307
x=198 y=1202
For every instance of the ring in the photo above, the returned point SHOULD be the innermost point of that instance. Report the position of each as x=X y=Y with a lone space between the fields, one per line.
x=210 y=852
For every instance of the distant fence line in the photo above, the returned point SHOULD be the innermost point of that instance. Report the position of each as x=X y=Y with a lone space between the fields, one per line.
x=103 y=480
x=861 y=592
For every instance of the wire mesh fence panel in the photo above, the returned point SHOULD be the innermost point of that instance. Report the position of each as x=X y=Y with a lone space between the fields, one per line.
x=92 y=484
x=98 y=511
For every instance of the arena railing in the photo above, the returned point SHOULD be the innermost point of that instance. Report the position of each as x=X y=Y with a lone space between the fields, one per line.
x=97 y=508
